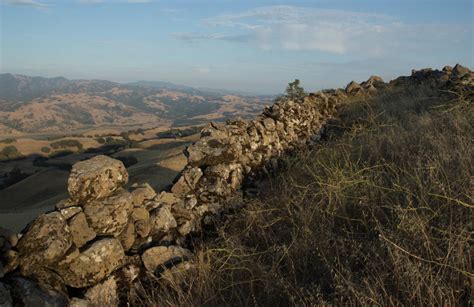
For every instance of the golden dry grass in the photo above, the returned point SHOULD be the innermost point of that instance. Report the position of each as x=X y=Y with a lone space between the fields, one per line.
x=380 y=213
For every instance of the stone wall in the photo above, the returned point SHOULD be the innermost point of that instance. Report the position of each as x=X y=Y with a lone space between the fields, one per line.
x=104 y=236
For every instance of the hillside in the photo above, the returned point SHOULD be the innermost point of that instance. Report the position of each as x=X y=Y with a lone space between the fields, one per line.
x=355 y=196
x=45 y=105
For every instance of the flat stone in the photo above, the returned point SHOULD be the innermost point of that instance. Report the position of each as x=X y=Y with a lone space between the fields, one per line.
x=109 y=216
x=46 y=241
x=96 y=178
x=65 y=203
x=95 y=263
x=161 y=257
x=80 y=230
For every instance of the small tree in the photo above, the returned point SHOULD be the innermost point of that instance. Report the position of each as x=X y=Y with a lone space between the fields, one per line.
x=294 y=91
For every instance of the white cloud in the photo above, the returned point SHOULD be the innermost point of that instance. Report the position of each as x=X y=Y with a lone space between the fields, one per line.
x=313 y=29
x=202 y=70
x=31 y=3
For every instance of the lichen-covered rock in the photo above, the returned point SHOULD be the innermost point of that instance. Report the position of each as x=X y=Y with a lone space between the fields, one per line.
x=142 y=193
x=460 y=70
x=46 y=241
x=162 y=220
x=181 y=187
x=167 y=198
x=127 y=237
x=353 y=87
x=65 y=203
x=5 y=296
x=129 y=273
x=95 y=263
x=109 y=216
x=140 y=213
x=141 y=218
x=69 y=212
x=96 y=178
x=49 y=279
x=26 y=292
x=80 y=230
x=162 y=257
x=9 y=235
x=104 y=293
x=192 y=176
x=79 y=302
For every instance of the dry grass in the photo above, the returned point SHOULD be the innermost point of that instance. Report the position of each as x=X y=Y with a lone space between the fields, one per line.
x=381 y=213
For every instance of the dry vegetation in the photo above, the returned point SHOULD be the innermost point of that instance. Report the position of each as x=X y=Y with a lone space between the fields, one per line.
x=380 y=213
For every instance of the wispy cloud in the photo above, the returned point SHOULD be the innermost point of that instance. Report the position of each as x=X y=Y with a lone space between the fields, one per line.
x=312 y=29
x=194 y=37
x=30 y=3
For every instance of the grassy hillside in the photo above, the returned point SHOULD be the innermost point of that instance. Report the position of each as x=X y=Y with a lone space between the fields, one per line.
x=379 y=213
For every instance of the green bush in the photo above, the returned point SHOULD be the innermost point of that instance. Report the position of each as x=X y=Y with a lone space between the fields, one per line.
x=45 y=149
x=9 y=153
x=66 y=143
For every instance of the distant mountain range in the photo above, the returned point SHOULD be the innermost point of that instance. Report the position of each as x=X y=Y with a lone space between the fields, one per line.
x=37 y=104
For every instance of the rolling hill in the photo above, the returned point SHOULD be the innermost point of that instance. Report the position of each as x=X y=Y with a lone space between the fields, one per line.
x=41 y=105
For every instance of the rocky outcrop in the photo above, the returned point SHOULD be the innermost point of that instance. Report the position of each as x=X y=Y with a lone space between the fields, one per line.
x=104 y=235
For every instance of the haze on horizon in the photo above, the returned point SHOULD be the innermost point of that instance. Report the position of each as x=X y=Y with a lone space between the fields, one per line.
x=253 y=46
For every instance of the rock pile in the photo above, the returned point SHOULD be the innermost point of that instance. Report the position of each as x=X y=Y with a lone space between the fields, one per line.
x=105 y=235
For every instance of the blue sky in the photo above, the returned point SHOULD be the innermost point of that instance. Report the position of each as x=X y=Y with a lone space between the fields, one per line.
x=255 y=46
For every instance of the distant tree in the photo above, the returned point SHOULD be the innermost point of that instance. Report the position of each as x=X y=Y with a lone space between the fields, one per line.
x=294 y=91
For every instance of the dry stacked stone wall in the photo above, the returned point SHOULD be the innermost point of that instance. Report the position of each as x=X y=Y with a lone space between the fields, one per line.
x=104 y=236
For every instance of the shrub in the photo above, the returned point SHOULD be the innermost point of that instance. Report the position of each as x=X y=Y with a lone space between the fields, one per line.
x=294 y=91
x=45 y=149
x=66 y=143
x=14 y=176
x=9 y=153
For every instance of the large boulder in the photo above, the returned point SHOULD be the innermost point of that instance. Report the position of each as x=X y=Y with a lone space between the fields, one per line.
x=96 y=178
x=109 y=216
x=460 y=70
x=95 y=263
x=45 y=243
